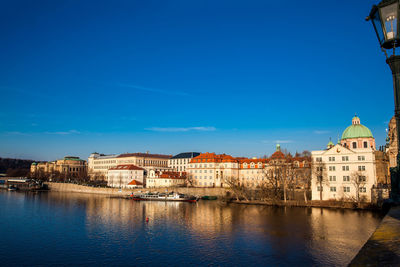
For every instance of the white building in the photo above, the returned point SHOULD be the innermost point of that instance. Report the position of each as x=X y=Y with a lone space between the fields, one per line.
x=165 y=179
x=210 y=170
x=125 y=176
x=181 y=161
x=346 y=171
x=99 y=164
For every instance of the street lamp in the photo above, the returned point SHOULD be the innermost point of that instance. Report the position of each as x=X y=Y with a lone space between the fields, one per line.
x=385 y=19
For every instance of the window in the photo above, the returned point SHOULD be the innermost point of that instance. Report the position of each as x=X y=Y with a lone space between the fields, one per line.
x=362 y=179
x=331 y=158
x=345 y=168
x=319 y=159
x=365 y=144
x=346 y=189
x=332 y=178
x=346 y=178
x=354 y=145
x=319 y=169
x=332 y=168
x=361 y=168
x=345 y=158
x=333 y=189
x=361 y=157
x=363 y=190
x=319 y=188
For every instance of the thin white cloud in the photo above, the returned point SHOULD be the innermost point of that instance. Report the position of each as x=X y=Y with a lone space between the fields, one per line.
x=277 y=141
x=181 y=129
x=17 y=133
x=321 y=132
x=64 y=133
x=153 y=90
x=283 y=141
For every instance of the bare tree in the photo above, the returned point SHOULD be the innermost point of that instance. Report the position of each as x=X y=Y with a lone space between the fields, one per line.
x=358 y=179
x=189 y=180
x=238 y=189
x=319 y=171
x=271 y=187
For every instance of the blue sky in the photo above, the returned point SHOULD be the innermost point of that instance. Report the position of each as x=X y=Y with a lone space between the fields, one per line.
x=230 y=77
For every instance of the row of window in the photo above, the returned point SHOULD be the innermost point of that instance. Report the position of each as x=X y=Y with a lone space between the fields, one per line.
x=346 y=189
x=179 y=161
x=354 y=144
x=346 y=178
x=344 y=158
x=211 y=165
x=344 y=168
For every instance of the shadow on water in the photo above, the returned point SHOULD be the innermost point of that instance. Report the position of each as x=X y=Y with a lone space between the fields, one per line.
x=68 y=228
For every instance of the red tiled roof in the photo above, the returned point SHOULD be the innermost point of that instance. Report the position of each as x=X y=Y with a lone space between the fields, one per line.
x=134 y=182
x=127 y=167
x=173 y=175
x=144 y=155
x=278 y=155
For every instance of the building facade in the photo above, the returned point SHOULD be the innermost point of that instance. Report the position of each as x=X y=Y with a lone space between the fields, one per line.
x=69 y=166
x=181 y=161
x=99 y=164
x=126 y=176
x=346 y=171
x=392 y=139
x=212 y=170
x=157 y=179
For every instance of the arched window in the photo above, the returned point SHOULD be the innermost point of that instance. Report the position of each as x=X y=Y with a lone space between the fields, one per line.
x=365 y=144
x=354 y=145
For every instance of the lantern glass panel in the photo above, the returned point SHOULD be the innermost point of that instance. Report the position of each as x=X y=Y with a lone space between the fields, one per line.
x=376 y=21
x=389 y=18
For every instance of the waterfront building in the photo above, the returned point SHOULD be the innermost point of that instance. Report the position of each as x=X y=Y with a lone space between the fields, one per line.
x=126 y=176
x=347 y=170
x=165 y=179
x=212 y=170
x=99 y=164
x=69 y=166
x=181 y=161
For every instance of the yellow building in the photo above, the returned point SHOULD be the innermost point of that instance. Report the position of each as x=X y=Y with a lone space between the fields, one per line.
x=69 y=165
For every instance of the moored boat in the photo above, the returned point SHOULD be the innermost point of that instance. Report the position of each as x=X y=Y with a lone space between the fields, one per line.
x=209 y=198
x=173 y=196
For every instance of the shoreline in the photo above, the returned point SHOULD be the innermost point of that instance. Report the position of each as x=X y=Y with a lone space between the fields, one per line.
x=221 y=193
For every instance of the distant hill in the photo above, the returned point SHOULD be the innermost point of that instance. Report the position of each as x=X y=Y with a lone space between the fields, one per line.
x=15 y=167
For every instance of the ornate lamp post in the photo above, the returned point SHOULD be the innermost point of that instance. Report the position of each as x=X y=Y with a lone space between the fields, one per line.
x=385 y=19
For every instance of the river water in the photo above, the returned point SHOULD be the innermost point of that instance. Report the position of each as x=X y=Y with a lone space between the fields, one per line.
x=81 y=229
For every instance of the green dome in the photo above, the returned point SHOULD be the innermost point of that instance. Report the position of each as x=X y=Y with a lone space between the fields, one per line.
x=356 y=130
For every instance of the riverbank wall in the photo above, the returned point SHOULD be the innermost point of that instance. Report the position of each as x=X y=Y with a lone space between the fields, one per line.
x=75 y=188
x=222 y=193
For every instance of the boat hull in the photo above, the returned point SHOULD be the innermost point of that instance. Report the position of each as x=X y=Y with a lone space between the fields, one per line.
x=160 y=199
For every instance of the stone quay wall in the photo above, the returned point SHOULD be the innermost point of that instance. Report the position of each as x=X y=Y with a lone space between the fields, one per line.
x=383 y=247
x=66 y=187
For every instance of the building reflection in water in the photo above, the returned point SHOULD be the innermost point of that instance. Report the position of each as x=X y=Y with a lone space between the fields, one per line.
x=218 y=231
